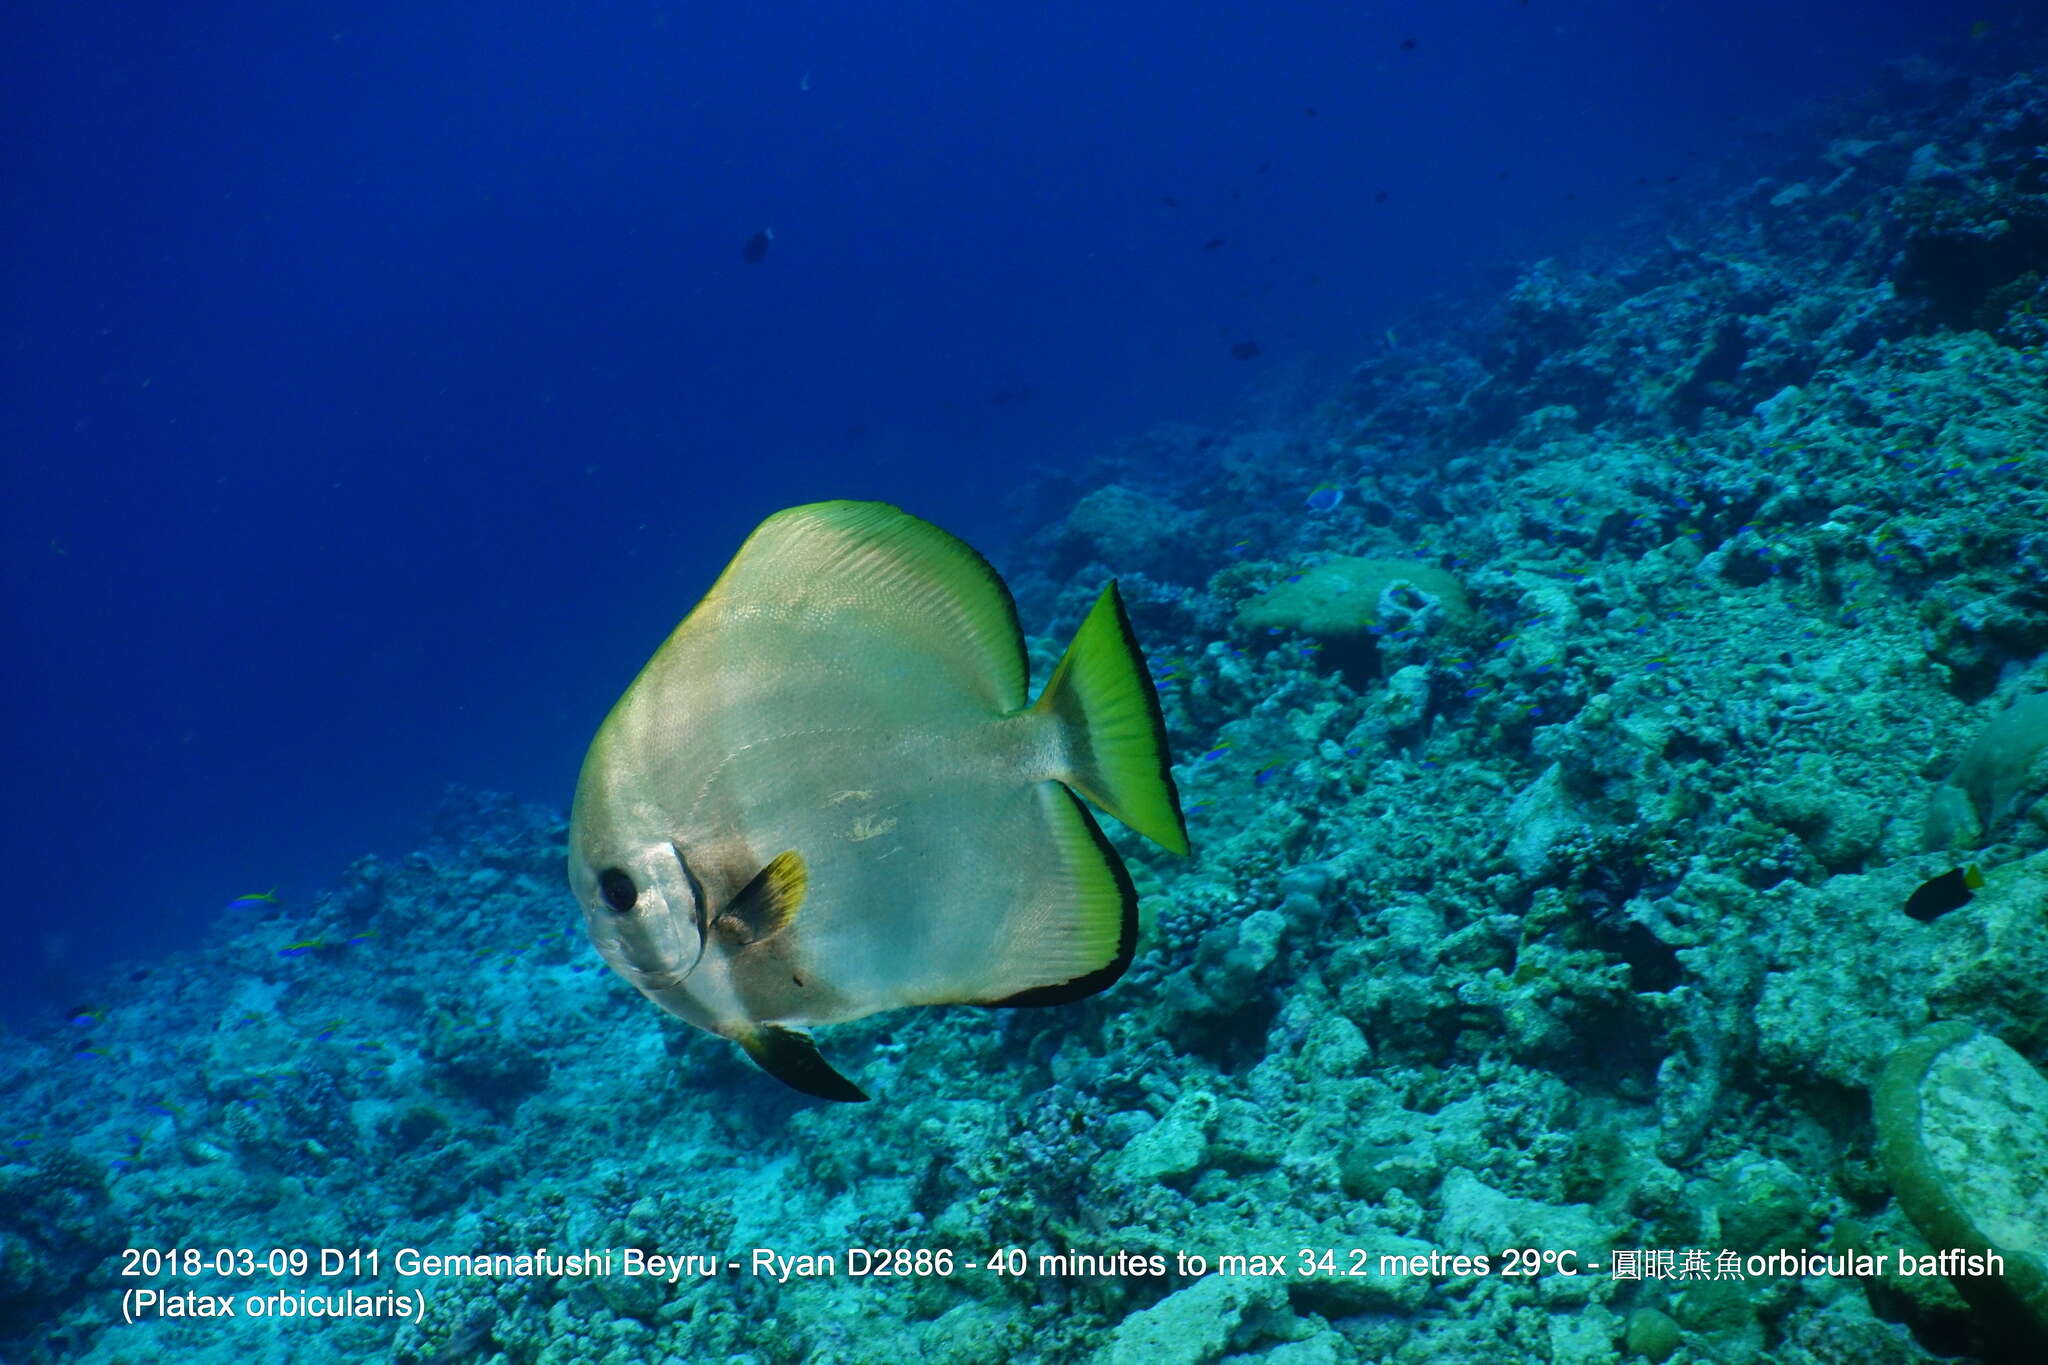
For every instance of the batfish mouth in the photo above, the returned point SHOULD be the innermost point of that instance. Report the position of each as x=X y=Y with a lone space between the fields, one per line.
x=656 y=969
x=660 y=981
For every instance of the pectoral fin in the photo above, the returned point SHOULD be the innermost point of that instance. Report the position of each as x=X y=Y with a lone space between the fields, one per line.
x=791 y=1057
x=765 y=906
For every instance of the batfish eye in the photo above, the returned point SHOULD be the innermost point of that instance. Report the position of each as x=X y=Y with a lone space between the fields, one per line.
x=618 y=889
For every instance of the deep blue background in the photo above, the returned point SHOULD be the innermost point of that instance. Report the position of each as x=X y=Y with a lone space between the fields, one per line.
x=382 y=382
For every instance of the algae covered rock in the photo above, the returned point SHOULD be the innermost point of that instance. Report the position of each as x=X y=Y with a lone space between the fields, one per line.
x=1476 y=1217
x=1195 y=1325
x=1962 y=1130
x=2003 y=770
x=1126 y=529
x=1175 y=1145
x=1991 y=963
x=1846 y=981
x=1343 y=599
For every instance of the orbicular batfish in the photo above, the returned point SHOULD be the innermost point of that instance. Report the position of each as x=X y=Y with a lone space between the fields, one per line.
x=829 y=793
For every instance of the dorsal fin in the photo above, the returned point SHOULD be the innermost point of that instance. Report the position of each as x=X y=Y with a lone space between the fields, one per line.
x=765 y=906
x=836 y=571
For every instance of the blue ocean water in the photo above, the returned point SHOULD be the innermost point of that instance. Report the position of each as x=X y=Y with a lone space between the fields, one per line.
x=382 y=385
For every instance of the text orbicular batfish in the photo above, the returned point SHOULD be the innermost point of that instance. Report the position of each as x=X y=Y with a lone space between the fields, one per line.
x=829 y=793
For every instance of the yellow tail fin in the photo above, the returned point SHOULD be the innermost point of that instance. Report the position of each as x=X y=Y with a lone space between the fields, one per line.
x=1104 y=700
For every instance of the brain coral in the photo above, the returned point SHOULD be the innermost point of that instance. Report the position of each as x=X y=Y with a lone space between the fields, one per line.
x=1340 y=600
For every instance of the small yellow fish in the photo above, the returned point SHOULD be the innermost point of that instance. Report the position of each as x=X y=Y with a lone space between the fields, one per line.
x=829 y=794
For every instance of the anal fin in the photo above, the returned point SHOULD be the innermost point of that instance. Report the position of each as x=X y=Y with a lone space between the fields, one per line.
x=1087 y=930
x=791 y=1057
x=765 y=905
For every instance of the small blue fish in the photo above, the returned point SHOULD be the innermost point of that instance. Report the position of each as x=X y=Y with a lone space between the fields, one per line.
x=86 y=1017
x=1215 y=753
x=1326 y=498
x=255 y=900
x=301 y=948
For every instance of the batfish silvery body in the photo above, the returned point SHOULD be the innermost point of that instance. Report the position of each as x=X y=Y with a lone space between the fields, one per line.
x=829 y=793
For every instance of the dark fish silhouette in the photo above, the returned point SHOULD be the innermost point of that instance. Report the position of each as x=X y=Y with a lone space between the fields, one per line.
x=756 y=249
x=1245 y=350
x=1937 y=896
